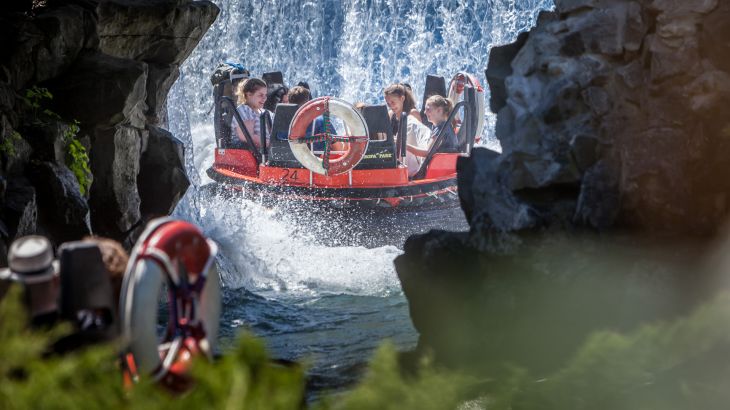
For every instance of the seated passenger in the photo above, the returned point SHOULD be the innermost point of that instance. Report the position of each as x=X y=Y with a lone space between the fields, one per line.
x=399 y=100
x=437 y=111
x=277 y=94
x=251 y=95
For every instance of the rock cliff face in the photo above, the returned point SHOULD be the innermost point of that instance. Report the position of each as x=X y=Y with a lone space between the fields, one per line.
x=613 y=113
x=107 y=65
x=613 y=121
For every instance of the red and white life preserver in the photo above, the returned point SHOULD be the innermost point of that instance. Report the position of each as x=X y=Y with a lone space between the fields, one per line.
x=175 y=253
x=355 y=135
x=456 y=94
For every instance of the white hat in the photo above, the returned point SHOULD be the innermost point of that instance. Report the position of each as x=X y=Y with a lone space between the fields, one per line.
x=31 y=260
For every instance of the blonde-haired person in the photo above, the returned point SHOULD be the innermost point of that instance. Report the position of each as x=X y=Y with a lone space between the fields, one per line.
x=437 y=111
x=251 y=94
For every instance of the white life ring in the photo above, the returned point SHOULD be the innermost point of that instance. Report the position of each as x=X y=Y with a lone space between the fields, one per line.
x=356 y=136
x=176 y=253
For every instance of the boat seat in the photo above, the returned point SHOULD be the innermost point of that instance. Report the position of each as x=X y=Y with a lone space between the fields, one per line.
x=435 y=85
x=380 y=153
x=85 y=282
x=274 y=77
x=280 y=154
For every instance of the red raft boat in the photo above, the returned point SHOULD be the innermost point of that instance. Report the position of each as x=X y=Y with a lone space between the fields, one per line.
x=362 y=166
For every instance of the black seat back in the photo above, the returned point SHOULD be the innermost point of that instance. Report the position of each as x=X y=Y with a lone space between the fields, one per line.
x=221 y=113
x=380 y=153
x=85 y=282
x=280 y=154
x=223 y=118
x=435 y=85
x=275 y=77
x=224 y=80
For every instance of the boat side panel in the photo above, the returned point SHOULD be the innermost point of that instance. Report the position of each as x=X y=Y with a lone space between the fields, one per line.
x=442 y=165
x=360 y=178
x=240 y=160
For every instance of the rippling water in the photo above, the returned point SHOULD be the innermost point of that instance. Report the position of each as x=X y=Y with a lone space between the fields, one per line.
x=317 y=286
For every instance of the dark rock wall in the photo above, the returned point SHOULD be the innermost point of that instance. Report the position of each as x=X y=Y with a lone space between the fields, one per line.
x=614 y=114
x=109 y=65
x=613 y=118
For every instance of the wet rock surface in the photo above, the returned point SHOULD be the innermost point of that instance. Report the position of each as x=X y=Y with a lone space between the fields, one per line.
x=108 y=65
x=613 y=122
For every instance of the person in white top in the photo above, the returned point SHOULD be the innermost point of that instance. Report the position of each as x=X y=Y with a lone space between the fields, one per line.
x=251 y=95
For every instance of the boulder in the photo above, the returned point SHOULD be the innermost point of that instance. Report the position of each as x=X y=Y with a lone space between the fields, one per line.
x=715 y=37
x=23 y=39
x=62 y=210
x=46 y=138
x=593 y=82
x=499 y=68
x=533 y=306
x=106 y=91
x=488 y=204
x=108 y=65
x=159 y=81
x=115 y=163
x=64 y=30
x=20 y=209
x=162 y=179
x=160 y=32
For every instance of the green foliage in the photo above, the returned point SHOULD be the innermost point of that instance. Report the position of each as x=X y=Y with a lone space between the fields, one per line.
x=680 y=364
x=7 y=145
x=77 y=159
x=675 y=365
x=386 y=387
x=34 y=98
x=91 y=379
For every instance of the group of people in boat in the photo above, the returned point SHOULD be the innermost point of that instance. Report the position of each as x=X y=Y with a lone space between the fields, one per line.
x=255 y=98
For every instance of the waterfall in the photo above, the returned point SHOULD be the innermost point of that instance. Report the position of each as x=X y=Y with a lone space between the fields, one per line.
x=353 y=49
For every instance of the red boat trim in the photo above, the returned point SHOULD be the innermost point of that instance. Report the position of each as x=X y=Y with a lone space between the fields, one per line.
x=413 y=189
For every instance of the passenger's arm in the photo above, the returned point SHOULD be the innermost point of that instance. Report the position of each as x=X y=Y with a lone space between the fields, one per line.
x=418 y=151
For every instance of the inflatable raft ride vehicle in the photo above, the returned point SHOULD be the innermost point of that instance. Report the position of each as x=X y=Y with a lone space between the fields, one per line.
x=369 y=172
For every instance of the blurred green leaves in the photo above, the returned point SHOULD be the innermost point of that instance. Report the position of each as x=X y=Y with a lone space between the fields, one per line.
x=678 y=364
